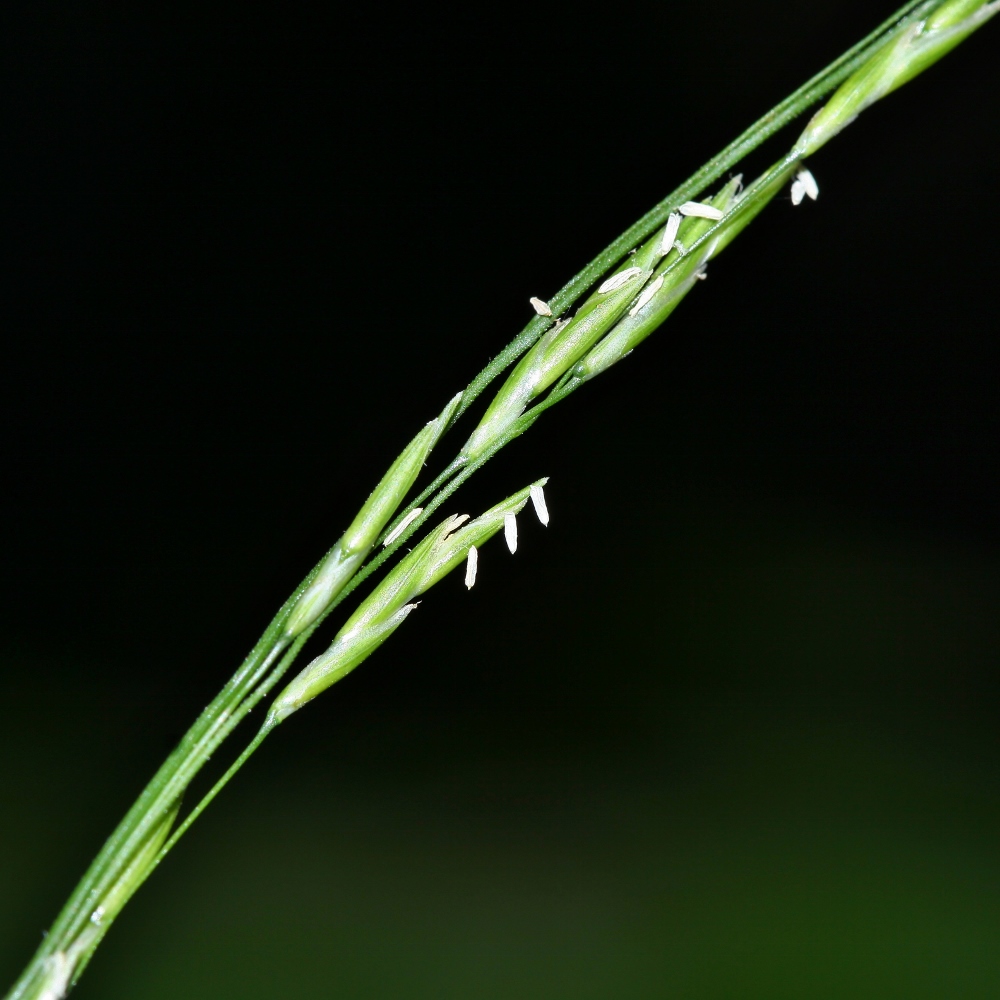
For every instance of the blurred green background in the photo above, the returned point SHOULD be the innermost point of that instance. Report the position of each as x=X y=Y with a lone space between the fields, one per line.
x=762 y=763
x=727 y=728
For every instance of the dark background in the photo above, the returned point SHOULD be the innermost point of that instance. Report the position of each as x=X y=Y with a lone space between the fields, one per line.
x=727 y=728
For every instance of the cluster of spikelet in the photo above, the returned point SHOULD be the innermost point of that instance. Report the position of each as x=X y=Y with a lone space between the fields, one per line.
x=622 y=311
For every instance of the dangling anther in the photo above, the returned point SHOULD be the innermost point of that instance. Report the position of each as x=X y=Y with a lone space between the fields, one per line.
x=616 y=281
x=701 y=211
x=402 y=526
x=471 y=565
x=538 y=500
x=809 y=186
x=647 y=293
x=510 y=532
x=670 y=233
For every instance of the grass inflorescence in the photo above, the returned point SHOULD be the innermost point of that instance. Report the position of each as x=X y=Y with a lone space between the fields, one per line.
x=634 y=285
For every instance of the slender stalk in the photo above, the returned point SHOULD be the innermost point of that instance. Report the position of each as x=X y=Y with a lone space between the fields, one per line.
x=557 y=355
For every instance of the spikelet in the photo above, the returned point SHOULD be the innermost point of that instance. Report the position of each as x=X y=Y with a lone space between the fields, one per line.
x=454 y=541
x=349 y=552
x=905 y=54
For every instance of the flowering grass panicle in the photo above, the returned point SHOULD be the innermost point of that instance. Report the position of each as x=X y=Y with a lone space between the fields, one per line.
x=633 y=286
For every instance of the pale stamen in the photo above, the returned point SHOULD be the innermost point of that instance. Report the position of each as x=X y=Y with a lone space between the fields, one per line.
x=538 y=500
x=670 y=233
x=471 y=565
x=510 y=532
x=616 y=281
x=647 y=293
x=402 y=526
x=808 y=182
x=701 y=211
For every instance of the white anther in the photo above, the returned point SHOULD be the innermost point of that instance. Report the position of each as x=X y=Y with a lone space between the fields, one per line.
x=619 y=279
x=798 y=192
x=510 y=532
x=808 y=182
x=402 y=526
x=700 y=210
x=97 y=916
x=540 y=306
x=454 y=523
x=701 y=276
x=538 y=500
x=58 y=969
x=647 y=293
x=670 y=233
x=471 y=565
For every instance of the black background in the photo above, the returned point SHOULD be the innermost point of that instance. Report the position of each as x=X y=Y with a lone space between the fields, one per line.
x=727 y=728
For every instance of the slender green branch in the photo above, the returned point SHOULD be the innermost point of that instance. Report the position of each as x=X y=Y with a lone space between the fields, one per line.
x=208 y=797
